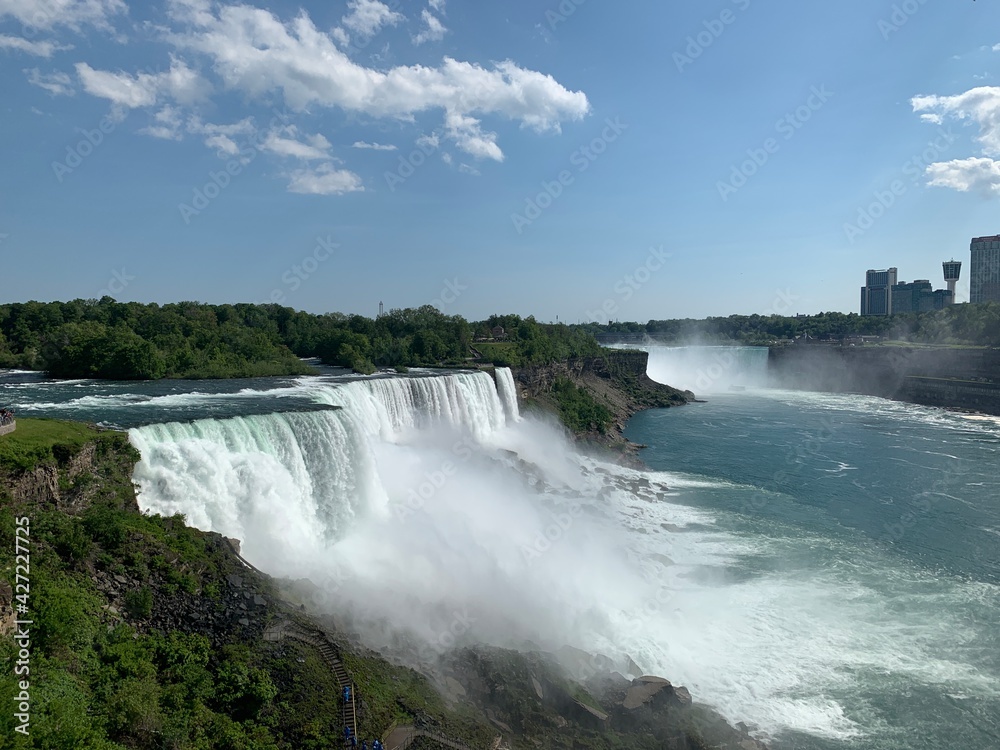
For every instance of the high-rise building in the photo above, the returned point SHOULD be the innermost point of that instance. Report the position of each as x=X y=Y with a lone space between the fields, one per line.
x=952 y=270
x=876 y=294
x=984 y=270
x=906 y=297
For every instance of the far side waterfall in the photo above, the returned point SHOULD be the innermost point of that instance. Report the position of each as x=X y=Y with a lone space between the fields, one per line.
x=707 y=369
x=507 y=390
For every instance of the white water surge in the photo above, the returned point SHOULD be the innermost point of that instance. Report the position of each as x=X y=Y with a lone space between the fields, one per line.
x=429 y=513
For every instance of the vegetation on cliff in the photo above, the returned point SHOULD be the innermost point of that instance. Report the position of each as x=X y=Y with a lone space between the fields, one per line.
x=974 y=325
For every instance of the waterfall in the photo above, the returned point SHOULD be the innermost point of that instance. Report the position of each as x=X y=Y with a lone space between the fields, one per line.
x=707 y=369
x=297 y=481
x=508 y=393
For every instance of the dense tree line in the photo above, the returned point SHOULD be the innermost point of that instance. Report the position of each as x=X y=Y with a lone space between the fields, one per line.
x=107 y=339
x=977 y=325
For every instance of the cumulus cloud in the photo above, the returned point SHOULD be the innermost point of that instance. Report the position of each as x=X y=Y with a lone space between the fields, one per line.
x=978 y=174
x=39 y=49
x=74 y=14
x=325 y=179
x=285 y=141
x=126 y=91
x=57 y=84
x=266 y=60
x=166 y=124
x=256 y=54
x=433 y=30
x=373 y=146
x=980 y=106
x=470 y=138
x=368 y=17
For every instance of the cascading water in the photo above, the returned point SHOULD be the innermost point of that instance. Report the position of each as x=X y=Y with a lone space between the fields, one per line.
x=423 y=507
x=508 y=393
x=428 y=514
x=707 y=369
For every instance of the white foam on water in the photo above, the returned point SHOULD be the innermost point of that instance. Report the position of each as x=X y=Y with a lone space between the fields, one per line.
x=430 y=513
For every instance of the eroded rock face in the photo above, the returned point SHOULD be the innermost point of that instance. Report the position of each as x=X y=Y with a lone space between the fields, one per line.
x=644 y=690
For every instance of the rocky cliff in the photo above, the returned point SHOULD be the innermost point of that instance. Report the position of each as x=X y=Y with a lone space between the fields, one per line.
x=966 y=378
x=616 y=380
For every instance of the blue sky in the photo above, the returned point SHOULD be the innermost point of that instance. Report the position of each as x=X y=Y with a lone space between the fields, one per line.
x=578 y=159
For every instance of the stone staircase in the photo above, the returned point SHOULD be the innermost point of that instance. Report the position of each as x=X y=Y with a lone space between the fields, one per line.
x=318 y=639
x=399 y=738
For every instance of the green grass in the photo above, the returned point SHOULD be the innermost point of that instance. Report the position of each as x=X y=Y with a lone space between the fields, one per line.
x=38 y=441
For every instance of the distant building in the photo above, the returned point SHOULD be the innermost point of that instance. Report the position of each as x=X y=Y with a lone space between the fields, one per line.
x=984 y=271
x=952 y=271
x=919 y=296
x=498 y=332
x=876 y=294
x=906 y=297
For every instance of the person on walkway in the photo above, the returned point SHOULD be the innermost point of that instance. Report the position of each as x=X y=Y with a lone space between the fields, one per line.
x=347 y=734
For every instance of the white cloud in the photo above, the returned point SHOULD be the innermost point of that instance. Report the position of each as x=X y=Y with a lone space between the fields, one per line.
x=47 y=14
x=996 y=47
x=223 y=144
x=57 y=84
x=285 y=141
x=39 y=49
x=430 y=142
x=470 y=138
x=434 y=31
x=978 y=174
x=981 y=105
x=325 y=179
x=437 y=5
x=181 y=83
x=255 y=53
x=466 y=169
x=166 y=125
x=368 y=17
x=374 y=146
x=194 y=12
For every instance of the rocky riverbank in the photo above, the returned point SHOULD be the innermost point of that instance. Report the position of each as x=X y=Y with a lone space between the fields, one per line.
x=617 y=381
